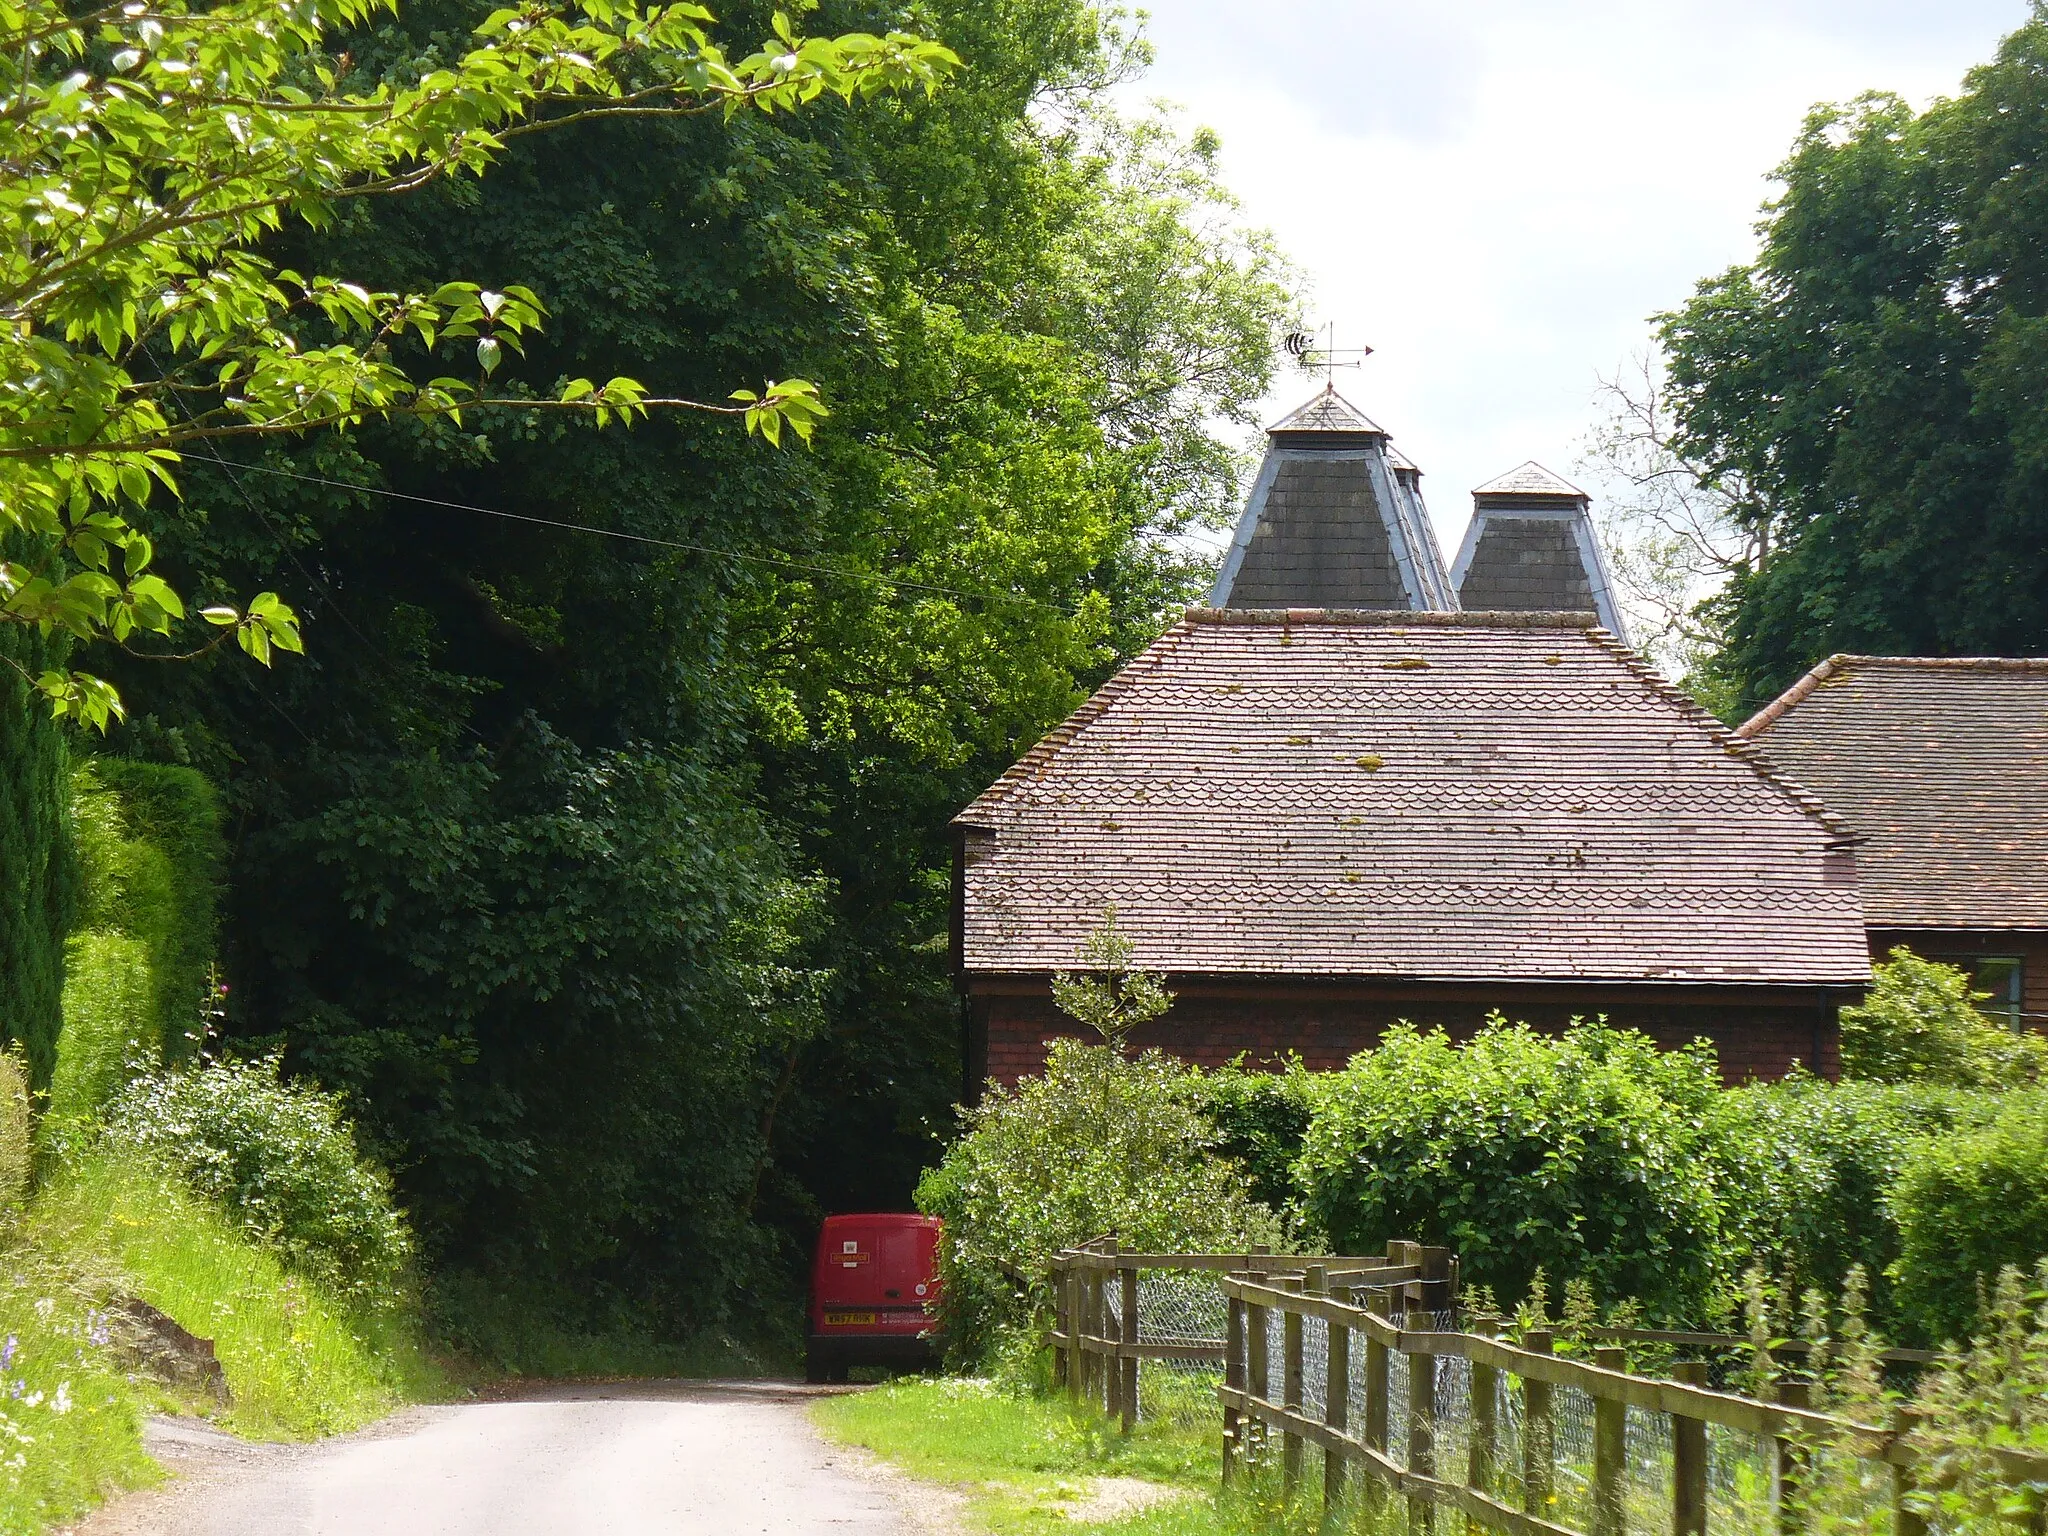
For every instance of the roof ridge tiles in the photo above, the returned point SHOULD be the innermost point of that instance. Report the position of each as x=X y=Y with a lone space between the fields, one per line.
x=1844 y=661
x=1397 y=618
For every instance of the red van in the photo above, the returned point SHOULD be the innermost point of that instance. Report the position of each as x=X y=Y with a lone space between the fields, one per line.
x=874 y=1292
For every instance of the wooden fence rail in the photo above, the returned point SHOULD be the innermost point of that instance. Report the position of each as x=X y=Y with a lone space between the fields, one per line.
x=1517 y=1500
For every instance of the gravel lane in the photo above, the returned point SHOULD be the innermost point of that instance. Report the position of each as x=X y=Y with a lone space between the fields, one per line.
x=677 y=1458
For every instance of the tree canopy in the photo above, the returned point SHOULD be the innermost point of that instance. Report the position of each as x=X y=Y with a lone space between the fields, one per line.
x=153 y=151
x=1876 y=383
x=597 y=846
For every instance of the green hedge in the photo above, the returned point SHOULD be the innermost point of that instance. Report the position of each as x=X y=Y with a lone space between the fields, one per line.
x=151 y=857
x=1261 y=1119
x=1810 y=1167
x=110 y=1027
x=1586 y=1155
x=1967 y=1205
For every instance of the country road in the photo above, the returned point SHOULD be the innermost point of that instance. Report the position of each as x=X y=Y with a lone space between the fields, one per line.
x=620 y=1459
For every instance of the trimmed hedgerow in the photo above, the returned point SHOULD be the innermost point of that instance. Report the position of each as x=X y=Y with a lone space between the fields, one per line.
x=1586 y=1155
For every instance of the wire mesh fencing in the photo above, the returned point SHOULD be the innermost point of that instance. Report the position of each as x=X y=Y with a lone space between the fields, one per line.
x=1144 y=1335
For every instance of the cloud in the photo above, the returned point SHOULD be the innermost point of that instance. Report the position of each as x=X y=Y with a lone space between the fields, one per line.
x=1496 y=196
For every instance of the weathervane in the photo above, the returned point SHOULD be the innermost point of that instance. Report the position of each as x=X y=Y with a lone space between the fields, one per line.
x=1303 y=347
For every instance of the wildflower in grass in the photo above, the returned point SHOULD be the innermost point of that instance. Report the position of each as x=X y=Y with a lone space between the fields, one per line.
x=9 y=1350
x=61 y=1403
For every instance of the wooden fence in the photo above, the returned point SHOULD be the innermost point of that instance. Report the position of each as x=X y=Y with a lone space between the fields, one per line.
x=1098 y=1331
x=1350 y=1411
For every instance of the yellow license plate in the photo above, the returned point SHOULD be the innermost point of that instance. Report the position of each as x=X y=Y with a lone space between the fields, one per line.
x=849 y=1319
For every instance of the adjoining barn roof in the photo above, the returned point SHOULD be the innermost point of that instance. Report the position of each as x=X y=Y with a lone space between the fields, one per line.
x=1531 y=546
x=1333 y=519
x=1446 y=797
x=1940 y=765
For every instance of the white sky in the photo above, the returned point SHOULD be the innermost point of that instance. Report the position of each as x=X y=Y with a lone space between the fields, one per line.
x=1495 y=196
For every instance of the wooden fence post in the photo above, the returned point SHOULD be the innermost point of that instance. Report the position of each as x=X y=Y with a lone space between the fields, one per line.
x=1290 y=1390
x=1788 y=1462
x=1130 y=1362
x=1485 y=1417
x=1233 y=1376
x=1421 y=1423
x=1906 y=1521
x=1689 y=1460
x=1060 y=1323
x=1610 y=1450
x=1538 y=1442
x=1112 y=1363
x=1070 y=1303
x=1336 y=1411
x=1258 y=1374
x=1091 y=1354
x=1378 y=1385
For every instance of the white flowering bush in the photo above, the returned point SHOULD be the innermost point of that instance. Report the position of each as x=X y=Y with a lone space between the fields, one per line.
x=281 y=1159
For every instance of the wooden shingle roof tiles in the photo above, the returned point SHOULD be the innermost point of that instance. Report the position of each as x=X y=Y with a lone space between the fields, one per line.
x=1407 y=796
x=1940 y=764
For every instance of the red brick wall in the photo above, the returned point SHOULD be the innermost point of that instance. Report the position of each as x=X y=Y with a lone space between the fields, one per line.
x=1950 y=944
x=1010 y=1028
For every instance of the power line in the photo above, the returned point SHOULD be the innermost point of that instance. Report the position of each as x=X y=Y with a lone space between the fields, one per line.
x=642 y=538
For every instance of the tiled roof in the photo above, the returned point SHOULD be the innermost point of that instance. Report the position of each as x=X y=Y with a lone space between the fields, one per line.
x=1327 y=412
x=1940 y=765
x=1331 y=523
x=1407 y=796
x=1530 y=479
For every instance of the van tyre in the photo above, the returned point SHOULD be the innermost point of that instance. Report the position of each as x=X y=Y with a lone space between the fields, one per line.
x=818 y=1367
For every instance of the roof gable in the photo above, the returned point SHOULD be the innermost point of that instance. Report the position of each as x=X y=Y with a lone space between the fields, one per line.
x=1940 y=765
x=1411 y=796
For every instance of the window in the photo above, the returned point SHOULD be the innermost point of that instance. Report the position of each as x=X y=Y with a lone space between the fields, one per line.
x=2004 y=977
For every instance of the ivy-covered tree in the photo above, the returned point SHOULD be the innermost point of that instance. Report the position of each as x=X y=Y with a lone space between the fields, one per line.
x=37 y=875
x=1877 y=379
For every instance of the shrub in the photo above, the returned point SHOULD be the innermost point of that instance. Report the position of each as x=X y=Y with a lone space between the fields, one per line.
x=1097 y=1144
x=281 y=1159
x=1968 y=1205
x=1583 y=1156
x=15 y=1147
x=1261 y=1119
x=1814 y=1164
x=1920 y=1024
x=109 y=1012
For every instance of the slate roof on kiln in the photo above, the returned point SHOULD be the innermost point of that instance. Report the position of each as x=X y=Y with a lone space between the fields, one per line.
x=1334 y=518
x=1941 y=767
x=1413 y=796
x=1531 y=546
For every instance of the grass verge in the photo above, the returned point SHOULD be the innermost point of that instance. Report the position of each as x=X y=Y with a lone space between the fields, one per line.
x=1029 y=1464
x=298 y=1362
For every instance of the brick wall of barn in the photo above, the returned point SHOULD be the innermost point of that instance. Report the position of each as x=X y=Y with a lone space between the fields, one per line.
x=1009 y=1029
